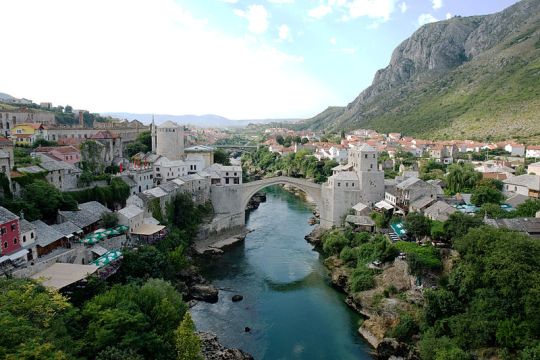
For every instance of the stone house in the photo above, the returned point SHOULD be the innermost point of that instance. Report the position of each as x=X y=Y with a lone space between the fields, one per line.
x=131 y=216
x=528 y=185
x=439 y=211
x=69 y=154
x=411 y=194
x=533 y=151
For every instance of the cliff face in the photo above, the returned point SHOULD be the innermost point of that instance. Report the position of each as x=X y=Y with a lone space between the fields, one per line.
x=446 y=64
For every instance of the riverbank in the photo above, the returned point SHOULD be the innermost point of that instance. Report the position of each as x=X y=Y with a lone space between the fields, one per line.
x=394 y=293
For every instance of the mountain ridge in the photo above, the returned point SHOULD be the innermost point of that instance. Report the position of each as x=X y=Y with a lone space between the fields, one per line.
x=473 y=76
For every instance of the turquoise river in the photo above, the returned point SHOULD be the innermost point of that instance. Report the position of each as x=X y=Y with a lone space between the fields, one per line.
x=292 y=310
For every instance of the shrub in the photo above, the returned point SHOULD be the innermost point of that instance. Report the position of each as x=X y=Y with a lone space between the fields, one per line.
x=334 y=242
x=405 y=328
x=362 y=279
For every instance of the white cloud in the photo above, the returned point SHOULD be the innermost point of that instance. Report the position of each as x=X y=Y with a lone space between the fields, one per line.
x=320 y=11
x=281 y=1
x=150 y=57
x=229 y=1
x=426 y=19
x=437 y=4
x=375 y=9
x=257 y=18
x=448 y=16
x=333 y=40
x=284 y=33
x=403 y=7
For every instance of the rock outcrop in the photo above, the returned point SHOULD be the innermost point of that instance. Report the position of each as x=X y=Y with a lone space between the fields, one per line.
x=213 y=350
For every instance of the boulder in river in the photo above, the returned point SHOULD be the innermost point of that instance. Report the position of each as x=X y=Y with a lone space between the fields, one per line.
x=237 y=298
x=206 y=293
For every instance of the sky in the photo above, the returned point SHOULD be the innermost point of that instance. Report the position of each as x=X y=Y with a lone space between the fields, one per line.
x=242 y=59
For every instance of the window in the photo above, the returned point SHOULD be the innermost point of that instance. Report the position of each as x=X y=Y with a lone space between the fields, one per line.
x=13 y=226
x=365 y=156
x=3 y=230
x=24 y=238
x=346 y=184
x=338 y=184
x=371 y=166
x=5 y=244
x=352 y=184
x=15 y=241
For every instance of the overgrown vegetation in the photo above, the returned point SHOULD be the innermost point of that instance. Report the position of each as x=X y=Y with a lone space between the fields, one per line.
x=301 y=164
x=490 y=300
x=136 y=314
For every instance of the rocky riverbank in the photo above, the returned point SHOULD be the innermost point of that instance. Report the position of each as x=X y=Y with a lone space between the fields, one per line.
x=213 y=350
x=255 y=201
x=379 y=306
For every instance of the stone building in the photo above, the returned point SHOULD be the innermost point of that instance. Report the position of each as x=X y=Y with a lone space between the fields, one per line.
x=168 y=140
x=10 y=119
x=362 y=183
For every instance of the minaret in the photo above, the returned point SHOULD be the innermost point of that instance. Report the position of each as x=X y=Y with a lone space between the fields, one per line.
x=153 y=134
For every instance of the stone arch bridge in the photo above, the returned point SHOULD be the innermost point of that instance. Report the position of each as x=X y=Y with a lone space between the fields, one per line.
x=312 y=189
x=230 y=202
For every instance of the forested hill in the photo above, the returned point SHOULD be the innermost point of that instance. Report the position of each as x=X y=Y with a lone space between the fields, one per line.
x=463 y=77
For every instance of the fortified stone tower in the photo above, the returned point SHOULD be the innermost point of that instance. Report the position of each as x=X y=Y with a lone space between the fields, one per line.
x=168 y=140
x=364 y=183
x=364 y=160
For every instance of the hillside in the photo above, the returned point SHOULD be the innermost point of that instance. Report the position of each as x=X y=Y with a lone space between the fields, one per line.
x=472 y=77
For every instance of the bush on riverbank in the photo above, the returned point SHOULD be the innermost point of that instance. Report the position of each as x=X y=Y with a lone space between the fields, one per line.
x=421 y=259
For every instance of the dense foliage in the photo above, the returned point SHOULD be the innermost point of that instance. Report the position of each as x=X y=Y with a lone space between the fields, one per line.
x=143 y=143
x=138 y=313
x=40 y=200
x=490 y=300
x=113 y=195
x=300 y=164
x=421 y=259
x=358 y=250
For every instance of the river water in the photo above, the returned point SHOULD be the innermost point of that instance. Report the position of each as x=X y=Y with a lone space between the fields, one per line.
x=288 y=303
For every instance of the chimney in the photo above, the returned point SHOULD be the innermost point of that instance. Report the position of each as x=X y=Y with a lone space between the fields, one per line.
x=81 y=119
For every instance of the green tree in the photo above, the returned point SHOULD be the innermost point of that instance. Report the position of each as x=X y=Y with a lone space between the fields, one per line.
x=417 y=225
x=221 y=157
x=461 y=178
x=458 y=224
x=529 y=208
x=109 y=220
x=188 y=344
x=486 y=195
x=137 y=318
x=47 y=199
x=34 y=322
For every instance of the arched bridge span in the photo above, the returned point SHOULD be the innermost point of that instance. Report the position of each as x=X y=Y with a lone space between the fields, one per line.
x=312 y=189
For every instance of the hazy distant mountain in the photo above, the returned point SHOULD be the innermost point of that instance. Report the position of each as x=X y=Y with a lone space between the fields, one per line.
x=195 y=120
x=464 y=77
x=6 y=97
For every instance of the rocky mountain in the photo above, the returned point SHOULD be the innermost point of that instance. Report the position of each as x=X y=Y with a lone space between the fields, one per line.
x=464 y=77
x=195 y=120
